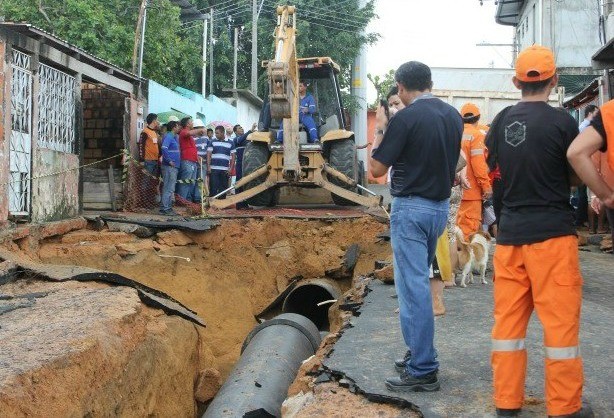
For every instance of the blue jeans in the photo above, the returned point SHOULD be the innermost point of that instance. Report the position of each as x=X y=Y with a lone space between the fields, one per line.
x=151 y=166
x=308 y=123
x=169 y=177
x=187 y=171
x=415 y=225
x=200 y=174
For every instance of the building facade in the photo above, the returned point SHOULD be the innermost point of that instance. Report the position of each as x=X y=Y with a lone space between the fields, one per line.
x=570 y=28
x=60 y=109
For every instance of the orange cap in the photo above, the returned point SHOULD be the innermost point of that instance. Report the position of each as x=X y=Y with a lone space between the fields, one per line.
x=469 y=110
x=536 y=63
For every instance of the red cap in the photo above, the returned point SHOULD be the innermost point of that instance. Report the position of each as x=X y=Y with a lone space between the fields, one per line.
x=536 y=63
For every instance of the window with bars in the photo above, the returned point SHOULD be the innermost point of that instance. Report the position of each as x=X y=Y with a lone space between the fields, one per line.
x=57 y=111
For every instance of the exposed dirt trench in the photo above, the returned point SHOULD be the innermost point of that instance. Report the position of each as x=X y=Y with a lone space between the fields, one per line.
x=234 y=271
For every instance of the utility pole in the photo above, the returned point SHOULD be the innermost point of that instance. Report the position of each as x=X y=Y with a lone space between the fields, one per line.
x=204 y=75
x=359 y=91
x=143 y=27
x=234 y=72
x=137 y=32
x=255 y=47
x=211 y=53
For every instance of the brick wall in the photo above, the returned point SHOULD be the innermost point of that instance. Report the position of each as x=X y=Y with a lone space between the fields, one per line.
x=103 y=124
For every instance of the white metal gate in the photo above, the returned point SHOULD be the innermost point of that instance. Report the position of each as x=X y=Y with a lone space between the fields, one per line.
x=21 y=135
x=56 y=110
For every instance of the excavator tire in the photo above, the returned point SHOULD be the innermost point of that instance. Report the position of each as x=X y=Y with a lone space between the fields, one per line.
x=256 y=155
x=342 y=158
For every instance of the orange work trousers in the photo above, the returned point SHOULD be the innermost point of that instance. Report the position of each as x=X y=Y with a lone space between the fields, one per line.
x=544 y=276
x=469 y=218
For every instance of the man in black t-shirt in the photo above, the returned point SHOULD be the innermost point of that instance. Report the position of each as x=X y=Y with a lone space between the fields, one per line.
x=422 y=145
x=536 y=260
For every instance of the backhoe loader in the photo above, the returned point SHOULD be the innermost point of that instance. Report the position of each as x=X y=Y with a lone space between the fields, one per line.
x=330 y=163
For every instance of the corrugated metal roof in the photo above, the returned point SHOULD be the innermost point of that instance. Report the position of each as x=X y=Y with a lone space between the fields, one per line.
x=68 y=48
x=508 y=12
x=604 y=58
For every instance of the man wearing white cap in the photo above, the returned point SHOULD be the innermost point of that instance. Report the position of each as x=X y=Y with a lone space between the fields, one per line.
x=202 y=143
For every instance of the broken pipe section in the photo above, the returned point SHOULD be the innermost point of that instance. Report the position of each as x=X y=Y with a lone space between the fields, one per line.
x=271 y=356
x=313 y=298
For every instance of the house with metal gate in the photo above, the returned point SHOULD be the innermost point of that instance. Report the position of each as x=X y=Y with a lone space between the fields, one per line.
x=60 y=109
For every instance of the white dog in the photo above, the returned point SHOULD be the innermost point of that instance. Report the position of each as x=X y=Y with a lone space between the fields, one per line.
x=472 y=255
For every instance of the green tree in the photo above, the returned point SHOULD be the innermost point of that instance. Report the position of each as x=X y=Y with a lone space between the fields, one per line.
x=173 y=54
x=382 y=85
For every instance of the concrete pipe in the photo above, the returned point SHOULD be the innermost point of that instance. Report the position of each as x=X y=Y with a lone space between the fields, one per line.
x=271 y=356
x=306 y=296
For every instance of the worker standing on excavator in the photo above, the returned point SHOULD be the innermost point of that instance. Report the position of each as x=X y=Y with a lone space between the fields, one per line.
x=307 y=107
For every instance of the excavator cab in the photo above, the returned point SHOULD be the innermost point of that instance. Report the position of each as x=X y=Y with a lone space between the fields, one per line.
x=320 y=76
x=331 y=163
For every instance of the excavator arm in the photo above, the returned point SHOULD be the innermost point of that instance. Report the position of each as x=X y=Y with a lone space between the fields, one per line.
x=283 y=78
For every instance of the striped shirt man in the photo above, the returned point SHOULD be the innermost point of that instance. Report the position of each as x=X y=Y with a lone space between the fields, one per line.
x=222 y=151
x=220 y=159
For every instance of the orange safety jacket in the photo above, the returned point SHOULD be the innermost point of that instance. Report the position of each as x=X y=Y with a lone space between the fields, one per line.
x=607 y=115
x=477 y=169
x=149 y=145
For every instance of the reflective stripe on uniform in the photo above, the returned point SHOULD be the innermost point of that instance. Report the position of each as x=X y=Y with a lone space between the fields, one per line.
x=508 y=345
x=467 y=137
x=477 y=151
x=562 y=353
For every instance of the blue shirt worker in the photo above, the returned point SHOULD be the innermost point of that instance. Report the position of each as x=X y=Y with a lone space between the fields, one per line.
x=422 y=144
x=202 y=145
x=240 y=141
x=220 y=161
x=171 y=160
x=307 y=107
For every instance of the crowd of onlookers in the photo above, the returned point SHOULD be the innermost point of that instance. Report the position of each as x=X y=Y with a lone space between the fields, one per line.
x=523 y=168
x=193 y=162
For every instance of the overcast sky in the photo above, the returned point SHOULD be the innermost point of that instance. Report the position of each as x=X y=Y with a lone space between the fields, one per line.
x=440 y=33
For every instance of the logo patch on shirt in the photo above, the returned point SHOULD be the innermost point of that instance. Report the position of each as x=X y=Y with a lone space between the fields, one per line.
x=515 y=133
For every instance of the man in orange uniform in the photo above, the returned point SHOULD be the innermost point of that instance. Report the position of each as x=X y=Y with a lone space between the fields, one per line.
x=536 y=260
x=149 y=154
x=598 y=136
x=469 y=218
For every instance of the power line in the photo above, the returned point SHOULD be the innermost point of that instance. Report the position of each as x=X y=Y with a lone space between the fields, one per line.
x=232 y=12
x=328 y=14
x=221 y=4
x=339 y=21
x=353 y=23
x=330 y=27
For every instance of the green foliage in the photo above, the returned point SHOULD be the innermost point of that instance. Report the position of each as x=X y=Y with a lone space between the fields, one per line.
x=173 y=51
x=382 y=85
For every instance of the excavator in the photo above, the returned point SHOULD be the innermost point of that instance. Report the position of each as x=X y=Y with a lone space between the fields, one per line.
x=330 y=163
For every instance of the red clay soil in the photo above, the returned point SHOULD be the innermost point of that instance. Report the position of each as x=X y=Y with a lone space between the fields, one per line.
x=227 y=275
x=233 y=272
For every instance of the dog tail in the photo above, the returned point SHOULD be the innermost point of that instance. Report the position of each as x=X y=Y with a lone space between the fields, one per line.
x=460 y=237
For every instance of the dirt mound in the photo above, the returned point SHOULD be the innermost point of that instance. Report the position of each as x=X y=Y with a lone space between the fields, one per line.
x=87 y=349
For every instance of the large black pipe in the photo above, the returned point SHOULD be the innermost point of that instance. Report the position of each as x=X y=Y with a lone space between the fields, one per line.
x=307 y=297
x=271 y=356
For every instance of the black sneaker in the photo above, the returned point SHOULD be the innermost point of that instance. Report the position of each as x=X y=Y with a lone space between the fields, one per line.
x=584 y=412
x=408 y=383
x=508 y=412
x=399 y=364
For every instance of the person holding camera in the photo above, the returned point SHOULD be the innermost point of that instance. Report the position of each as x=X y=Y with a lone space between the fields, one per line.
x=422 y=145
